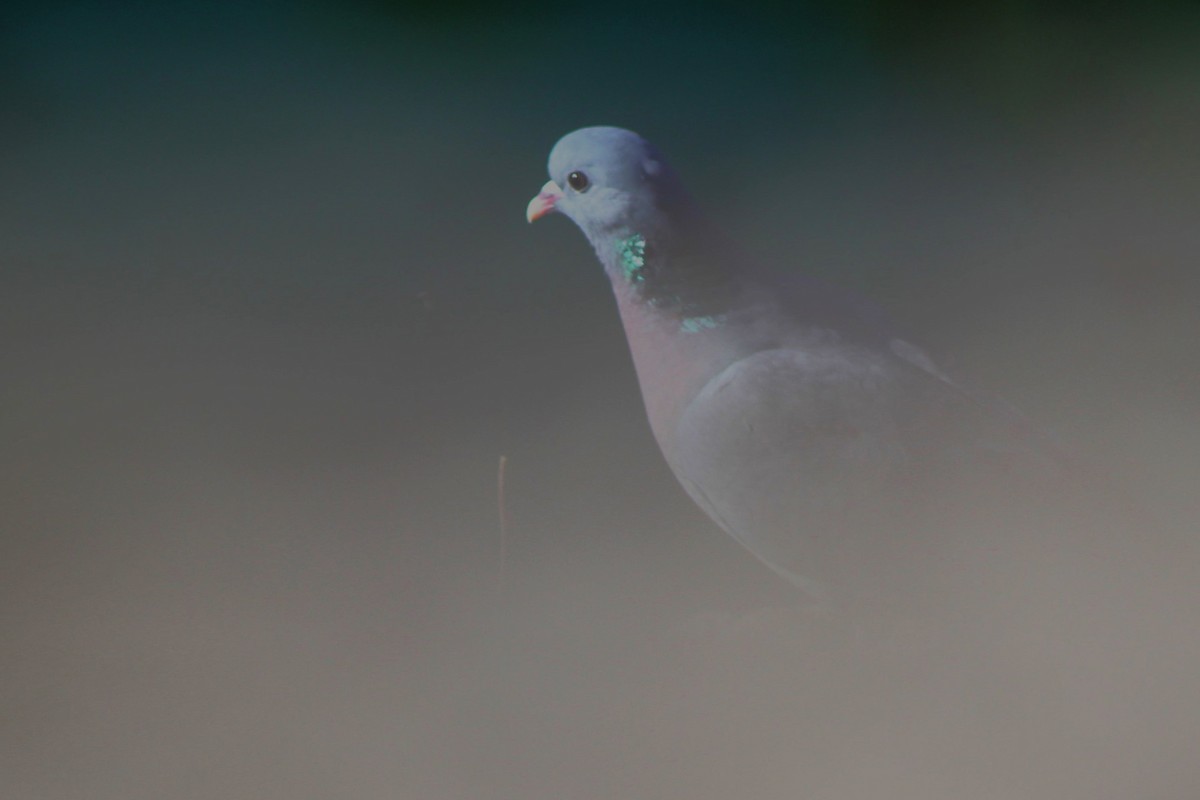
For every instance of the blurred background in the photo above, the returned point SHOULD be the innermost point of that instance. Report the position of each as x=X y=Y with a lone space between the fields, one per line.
x=271 y=315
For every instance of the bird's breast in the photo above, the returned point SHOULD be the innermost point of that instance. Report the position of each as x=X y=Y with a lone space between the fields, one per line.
x=673 y=359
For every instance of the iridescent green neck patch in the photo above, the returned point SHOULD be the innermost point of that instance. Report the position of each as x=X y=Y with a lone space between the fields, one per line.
x=659 y=291
x=697 y=324
x=631 y=256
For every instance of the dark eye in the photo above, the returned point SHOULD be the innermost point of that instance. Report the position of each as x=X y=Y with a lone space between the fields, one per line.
x=577 y=181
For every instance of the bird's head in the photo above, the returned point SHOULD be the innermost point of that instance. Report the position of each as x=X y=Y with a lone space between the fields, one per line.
x=609 y=182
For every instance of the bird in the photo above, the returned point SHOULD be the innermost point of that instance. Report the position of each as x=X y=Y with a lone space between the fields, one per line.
x=793 y=411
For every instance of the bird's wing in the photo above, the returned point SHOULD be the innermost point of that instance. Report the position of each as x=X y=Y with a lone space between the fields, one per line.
x=814 y=454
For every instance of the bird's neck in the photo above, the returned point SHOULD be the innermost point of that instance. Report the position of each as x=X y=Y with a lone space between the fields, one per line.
x=685 y=286
x=682 y=319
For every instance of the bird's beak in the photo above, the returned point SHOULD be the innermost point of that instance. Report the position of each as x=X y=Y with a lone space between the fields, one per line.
x=543 y=204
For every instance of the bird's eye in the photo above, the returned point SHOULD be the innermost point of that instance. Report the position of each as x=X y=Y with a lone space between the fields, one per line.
x=577 y=181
